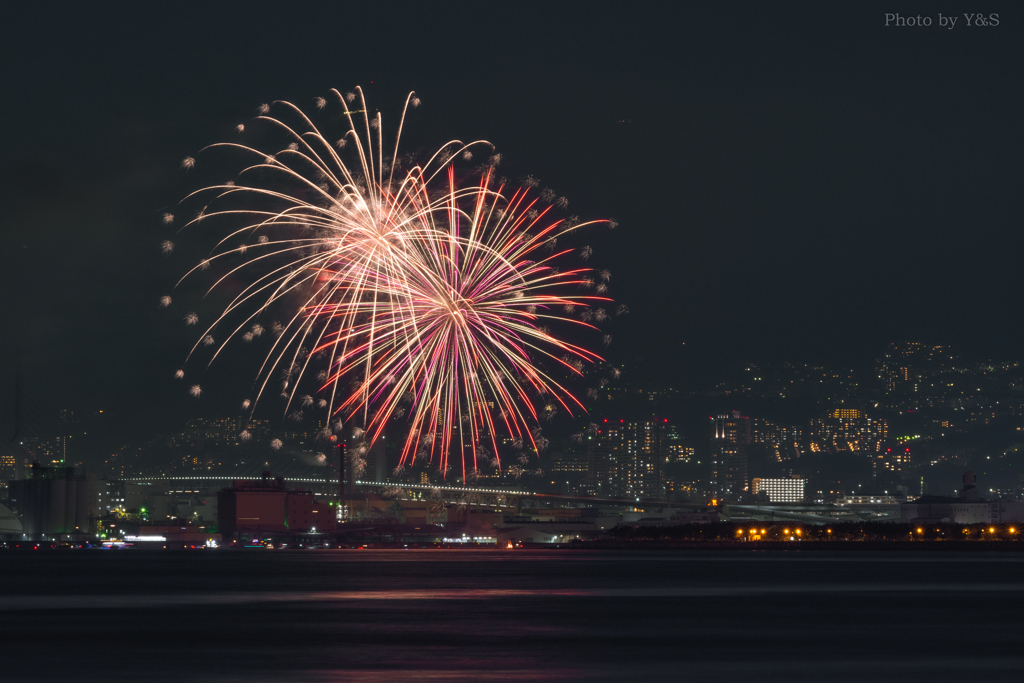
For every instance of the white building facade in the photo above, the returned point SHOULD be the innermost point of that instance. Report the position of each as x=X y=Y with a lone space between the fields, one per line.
x=790 y=490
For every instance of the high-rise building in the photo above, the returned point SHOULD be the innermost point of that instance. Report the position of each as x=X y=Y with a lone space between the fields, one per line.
x=849 y=430
x=729 y=452
x=673 y=446
x=782 y=441
x=626 y=458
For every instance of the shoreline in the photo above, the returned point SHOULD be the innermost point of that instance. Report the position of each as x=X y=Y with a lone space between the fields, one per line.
x=604 y=545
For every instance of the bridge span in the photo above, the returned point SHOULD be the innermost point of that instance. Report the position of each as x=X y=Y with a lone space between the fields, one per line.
x=329 y=486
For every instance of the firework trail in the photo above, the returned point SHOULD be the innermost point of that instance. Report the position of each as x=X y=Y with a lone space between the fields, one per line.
x=404 y=290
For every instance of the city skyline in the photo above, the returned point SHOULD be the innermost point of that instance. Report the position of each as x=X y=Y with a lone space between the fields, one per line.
x=842 y=433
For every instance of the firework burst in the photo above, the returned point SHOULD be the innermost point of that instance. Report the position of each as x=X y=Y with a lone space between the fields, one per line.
x=399 y=283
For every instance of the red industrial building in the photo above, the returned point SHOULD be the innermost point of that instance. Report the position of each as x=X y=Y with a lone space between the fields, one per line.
x=266 y=506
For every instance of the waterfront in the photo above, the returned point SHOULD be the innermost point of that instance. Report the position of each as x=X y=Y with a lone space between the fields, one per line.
x=510 y=615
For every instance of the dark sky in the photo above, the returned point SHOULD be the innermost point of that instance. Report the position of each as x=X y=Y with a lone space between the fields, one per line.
x=795 y=180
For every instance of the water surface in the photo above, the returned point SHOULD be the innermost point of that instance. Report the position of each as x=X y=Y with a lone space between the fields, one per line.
x=436 y=615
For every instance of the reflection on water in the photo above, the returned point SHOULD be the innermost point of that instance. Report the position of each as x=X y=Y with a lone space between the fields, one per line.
x=467 y=615
x=70 y=602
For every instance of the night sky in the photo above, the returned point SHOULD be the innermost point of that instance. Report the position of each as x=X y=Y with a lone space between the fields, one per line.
x=792 y=181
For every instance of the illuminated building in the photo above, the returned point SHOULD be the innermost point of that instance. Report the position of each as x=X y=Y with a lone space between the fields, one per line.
x=729 y=446
x=782 y=442
x=49 y=452
x=8 y=467
x=673 y=447
x=904 y=365
x=110 y=495
x=848 y=430
x=573 y=460
x=626 y=458
x=679 y=489
x=789 y=490
x=679 y=453
x=891 y=459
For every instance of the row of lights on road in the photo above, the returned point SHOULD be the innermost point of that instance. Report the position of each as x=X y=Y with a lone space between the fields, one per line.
x=991 y=530
x=756 y=534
